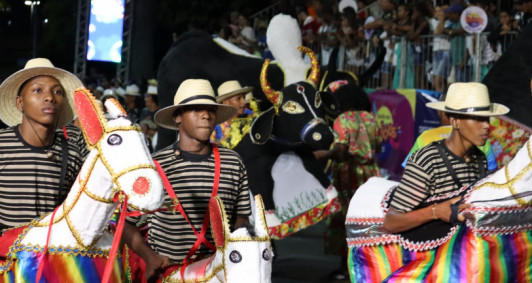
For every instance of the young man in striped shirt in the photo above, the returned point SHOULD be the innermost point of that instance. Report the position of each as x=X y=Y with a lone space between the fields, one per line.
x=441 y=168
x=39 y=161
x=189 y=164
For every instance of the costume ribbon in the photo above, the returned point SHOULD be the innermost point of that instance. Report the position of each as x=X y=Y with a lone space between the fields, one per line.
x=116 y=240
x=41 y=264
x=177 y=206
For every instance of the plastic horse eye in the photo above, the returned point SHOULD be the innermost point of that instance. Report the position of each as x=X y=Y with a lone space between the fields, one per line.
x=235 y=257
x=114 y=139
x=266 y=254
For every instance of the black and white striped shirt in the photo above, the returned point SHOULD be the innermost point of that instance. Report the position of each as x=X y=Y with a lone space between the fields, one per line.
x=192 y=177
x=29 y=180
x=426 y=175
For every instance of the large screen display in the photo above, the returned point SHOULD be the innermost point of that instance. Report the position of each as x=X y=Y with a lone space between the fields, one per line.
x=105 y=30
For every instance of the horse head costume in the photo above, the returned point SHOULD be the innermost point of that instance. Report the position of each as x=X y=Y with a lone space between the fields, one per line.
x=494 y=244
x=72 y=244
x=242 y=256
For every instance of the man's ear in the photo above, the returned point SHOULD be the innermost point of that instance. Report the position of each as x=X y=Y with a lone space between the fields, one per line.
x=454 y=122
x=19 y=105
x=177 y=119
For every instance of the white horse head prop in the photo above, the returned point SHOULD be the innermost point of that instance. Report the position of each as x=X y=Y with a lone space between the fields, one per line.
x=120 y=147
x=242 y=256
x=119 y=165
x=503 y=200
x=512 y=180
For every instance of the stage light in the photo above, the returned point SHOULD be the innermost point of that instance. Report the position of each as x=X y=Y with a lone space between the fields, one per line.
x=31 y=3
x=105 y=31
x=34 y=28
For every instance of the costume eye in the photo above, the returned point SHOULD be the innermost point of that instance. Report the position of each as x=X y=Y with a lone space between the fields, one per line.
x=235 y=257
x=267 y=254
x=292 y=107
x=317 y=102
x=114 y=139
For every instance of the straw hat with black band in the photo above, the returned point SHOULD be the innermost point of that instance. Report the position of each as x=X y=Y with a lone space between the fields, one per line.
x=231 y=88
x=193 y=92
x=469 y=99
x=10 y=89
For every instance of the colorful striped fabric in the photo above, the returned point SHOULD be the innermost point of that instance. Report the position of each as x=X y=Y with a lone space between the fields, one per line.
x=60 y=268
x=464 y=258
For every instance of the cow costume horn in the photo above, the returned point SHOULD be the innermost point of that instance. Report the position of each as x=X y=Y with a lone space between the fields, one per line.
x=314 y=76
x=274 y=96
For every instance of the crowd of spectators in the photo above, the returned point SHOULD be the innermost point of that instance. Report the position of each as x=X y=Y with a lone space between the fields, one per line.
x=138 y=97
x=437 y=51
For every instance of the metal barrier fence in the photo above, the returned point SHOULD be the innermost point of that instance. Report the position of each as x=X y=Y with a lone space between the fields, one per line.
x=431 y=62
x=264 y=15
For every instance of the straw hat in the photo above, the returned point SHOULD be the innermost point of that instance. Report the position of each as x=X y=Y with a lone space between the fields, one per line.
x=133 y=90
x=151 y=125
x=152 y=89
x=469 y=99
x=120 y=91
x=109 y=93
x=99 y=88
x=230 y=89
x=193 y=92
x=10 y=88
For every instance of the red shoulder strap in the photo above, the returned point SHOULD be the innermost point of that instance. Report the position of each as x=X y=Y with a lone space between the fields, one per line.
x=178 y=207
x=201 y=237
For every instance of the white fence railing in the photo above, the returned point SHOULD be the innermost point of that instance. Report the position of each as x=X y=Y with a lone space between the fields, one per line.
x=432 y=62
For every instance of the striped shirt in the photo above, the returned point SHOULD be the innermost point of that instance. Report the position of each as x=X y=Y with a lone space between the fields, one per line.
x=192 y=176
x=426 y=176
x=444 y=132
x=29 y=180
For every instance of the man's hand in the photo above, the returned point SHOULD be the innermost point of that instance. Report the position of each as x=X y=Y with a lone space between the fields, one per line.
x=154 y=267
x=443 y=210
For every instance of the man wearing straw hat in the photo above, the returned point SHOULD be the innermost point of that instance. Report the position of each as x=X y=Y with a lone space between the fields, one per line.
x=189 y=164
x=233 y=94
x=434 y=175
x=131 y=102
x=39 y=161
x=151 y=101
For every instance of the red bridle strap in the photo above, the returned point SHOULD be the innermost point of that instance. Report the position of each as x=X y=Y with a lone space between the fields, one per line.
x=43 y=256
